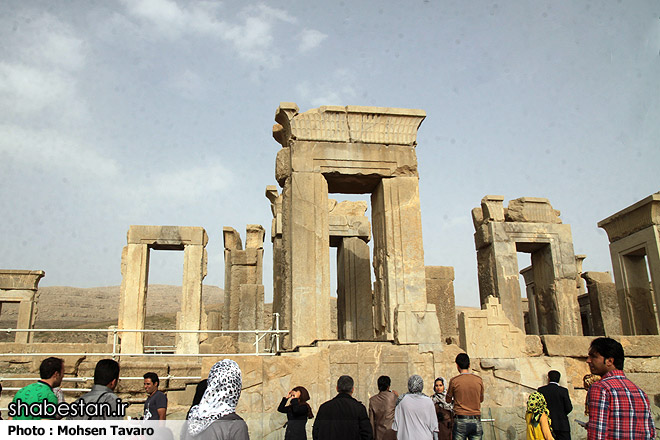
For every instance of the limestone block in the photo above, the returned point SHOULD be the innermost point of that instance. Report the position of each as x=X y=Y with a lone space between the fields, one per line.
x=250 y=313
x=354 y=296
x=440 y=292
x=477 y=217
x=646 y=381
x=232 y=239
x=492 y=208
x=533 y=345
x=642 y=365
x=604 y=303
x=20 y=279
x=349 y=124
x=488 y=333
x=255 y=237
x=348 y=208
x=218 y=344
x=640 y=346
x=167 y=237
x=571 y=346
x=283 y=166
x=532 y=209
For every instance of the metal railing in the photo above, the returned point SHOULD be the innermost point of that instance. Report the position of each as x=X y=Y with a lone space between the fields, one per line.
x=274 y=331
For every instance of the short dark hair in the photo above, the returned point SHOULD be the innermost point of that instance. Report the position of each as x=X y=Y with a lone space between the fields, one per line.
x=345 y=384
x=609 y=348
x=50 y=366
x=554 y=376
x=152 y=376
x=106 y=371
x=463 y=361
x=384 y=383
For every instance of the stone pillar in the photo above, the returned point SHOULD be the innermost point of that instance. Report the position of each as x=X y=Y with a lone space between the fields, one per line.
x=399 y=259
x=194 y=271
x=133 y=296
x=21 y=286
x=244 y=291
x=528 y=276
x=280 y=304
x=307 y=251
x=634 y=235
x=605 y=312
x=440 y=292
x=354 y=298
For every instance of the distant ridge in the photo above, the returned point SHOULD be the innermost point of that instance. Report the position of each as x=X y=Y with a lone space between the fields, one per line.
x=76 y=306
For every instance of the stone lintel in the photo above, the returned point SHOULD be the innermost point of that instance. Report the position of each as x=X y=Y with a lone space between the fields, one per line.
x=13 y=296
x=531 y=210
x=528 y=275
x=349 y=226
x=634 y=218
x=384 y=125
x=232 y=239
x=20 y=279
x=167 y=237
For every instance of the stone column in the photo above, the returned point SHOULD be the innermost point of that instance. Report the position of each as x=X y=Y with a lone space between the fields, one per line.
x=399 y=257
x=232 y=242
x=605 y=311
x=133 y=296
x=440 y=292
x=354 y=298
x=528 y=276
x=307 y=253
x=194 y=271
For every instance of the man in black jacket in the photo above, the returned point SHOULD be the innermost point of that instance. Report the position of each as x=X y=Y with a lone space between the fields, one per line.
x=342 y=418
x=559 y=405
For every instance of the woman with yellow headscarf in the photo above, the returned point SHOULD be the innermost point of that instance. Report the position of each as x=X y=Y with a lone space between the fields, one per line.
x=538 y=418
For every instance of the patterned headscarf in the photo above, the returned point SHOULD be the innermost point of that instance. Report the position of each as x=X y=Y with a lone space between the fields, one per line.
x=415 y=386
x=441 y=398
x=537 y=406
x=220 y=398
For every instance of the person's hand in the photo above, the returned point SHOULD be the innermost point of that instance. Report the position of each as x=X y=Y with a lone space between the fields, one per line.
x=288 y=396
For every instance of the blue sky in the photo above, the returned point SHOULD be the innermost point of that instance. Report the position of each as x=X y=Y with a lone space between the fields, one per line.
x=160 y=112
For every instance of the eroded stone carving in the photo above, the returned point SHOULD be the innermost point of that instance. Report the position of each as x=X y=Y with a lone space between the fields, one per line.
x=603 y=303
x=530 y=225
x=440 y=292
x=22 y=287
x=135 y=273
x=634 y=235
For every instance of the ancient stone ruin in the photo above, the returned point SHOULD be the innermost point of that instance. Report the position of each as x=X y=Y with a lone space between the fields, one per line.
x=396 y=313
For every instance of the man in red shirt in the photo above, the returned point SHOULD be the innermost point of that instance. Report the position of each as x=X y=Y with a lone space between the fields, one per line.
x=618 y=409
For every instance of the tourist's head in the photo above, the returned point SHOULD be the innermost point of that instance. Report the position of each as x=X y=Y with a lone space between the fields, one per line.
x=106 y=373
x=384 y=383
x=554 y=376
x=301 y=393
x=150 y=382
x=52 y=369
x=462 y=361
x=415 y=384
x=345 y=384
x=605 y=354
x=439 y=385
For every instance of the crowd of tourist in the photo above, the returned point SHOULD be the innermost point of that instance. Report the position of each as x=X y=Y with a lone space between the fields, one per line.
x=616 y=407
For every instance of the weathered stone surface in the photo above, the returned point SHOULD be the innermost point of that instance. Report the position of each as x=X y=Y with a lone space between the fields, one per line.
x=533 y=345
x=603 y=303
x=642 y=365
x=167 y=237
x=634 y=234
x=135 y=271
x=20 y=279
x=640 y=346
x=532 y=226
x=440 y=292
x=348 y=124
x=354 y=298
x=572 y=346
x=533 y=210
x=488 y=333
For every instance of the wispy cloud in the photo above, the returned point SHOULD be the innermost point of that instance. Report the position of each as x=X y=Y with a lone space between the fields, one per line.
x=310 y=39
x=250 y=35
x=337 y=89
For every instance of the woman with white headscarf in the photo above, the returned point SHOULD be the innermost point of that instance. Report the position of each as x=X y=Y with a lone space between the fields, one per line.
x=215 y=417
x=414 y=416
x=444 y=410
